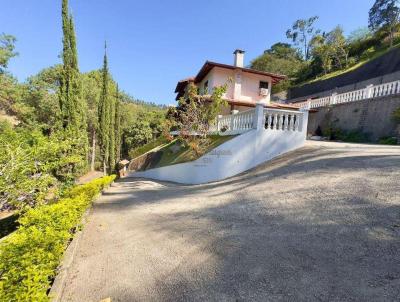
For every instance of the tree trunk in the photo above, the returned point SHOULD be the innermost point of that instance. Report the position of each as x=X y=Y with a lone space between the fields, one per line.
x=93 y=158
x=104 y=167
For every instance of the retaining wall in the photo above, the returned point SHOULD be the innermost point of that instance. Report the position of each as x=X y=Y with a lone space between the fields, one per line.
x=370 y=116
x=233 y=157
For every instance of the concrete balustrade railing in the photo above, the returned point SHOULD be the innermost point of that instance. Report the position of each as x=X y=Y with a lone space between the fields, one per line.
x=288 y=120
x=236 y=123
x=260 y=118
x=371 y=91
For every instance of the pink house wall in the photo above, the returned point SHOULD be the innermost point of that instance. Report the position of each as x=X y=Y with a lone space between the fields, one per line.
x=247 y=85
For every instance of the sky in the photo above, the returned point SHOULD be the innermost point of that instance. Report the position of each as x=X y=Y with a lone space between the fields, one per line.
x=152 y=44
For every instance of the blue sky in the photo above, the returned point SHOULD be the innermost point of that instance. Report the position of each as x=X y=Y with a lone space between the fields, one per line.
x=154 y=43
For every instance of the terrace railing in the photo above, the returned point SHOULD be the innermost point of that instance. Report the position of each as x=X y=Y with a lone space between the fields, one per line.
x=371 y=91
x=261 y=118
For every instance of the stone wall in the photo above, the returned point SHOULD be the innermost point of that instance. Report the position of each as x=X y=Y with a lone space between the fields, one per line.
x=372 y=117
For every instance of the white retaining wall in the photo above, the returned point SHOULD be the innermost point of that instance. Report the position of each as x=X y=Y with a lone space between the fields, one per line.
x=236 y=155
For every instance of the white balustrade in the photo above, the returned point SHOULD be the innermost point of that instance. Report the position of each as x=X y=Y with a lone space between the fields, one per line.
x=272 y=119
x=236 y=123
x=370 y=91
x=277 y=119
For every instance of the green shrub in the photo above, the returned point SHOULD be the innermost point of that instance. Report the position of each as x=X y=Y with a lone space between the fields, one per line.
x=396 y=115
x=346 y=136
x=29 y=257
x=388 y=140
x=33 y=166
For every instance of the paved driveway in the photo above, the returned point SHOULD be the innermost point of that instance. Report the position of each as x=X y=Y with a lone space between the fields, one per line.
x=320 y=224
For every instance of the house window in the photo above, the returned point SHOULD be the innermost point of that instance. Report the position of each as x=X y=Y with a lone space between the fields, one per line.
x=263 y=85
x=205 y=90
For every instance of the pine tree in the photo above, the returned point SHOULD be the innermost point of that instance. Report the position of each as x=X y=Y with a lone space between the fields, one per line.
x=104 y=114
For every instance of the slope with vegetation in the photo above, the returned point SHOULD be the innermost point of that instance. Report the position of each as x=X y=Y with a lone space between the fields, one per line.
x=64 y=123
x=55 y=127
x=314 y=55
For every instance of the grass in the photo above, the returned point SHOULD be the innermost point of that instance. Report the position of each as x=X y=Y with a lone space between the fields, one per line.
x=149 y=146
x=370 y=57
x=176 y=152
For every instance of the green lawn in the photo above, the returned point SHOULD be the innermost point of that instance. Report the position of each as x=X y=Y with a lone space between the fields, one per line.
x=148 y=147
x=176 y=152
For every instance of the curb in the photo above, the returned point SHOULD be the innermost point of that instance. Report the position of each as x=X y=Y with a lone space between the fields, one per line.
x=58 y=286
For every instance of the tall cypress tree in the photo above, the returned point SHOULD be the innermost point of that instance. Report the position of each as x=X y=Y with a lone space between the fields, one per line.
x=112 y=150
x=73 y=113
x=70 y=95
x=118 y=134
x=104 y=113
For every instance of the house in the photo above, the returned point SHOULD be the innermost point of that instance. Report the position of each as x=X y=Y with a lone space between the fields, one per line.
x=246 y=88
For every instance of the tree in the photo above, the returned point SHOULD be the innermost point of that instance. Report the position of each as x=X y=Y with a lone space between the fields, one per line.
x=118 y=130
x=281 y=58
x=196 y=113
x=112 y=150
x=72 y=106
x=92 y=87
x=384 y=14
x=359 y=34
x=302 y=32
x=321 y=53
x=7 y=46
x=41 y=96
x=339 y=48
x=104 y=114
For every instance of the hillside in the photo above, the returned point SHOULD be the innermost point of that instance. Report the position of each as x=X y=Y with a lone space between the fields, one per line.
x=379 y=65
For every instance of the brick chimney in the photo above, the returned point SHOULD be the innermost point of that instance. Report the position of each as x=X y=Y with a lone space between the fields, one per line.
x=239 y=58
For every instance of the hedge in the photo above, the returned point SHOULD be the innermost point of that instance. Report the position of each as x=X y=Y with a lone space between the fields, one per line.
x=30 y=256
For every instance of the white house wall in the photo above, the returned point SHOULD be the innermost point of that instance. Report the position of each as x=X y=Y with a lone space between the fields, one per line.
x=233 y=157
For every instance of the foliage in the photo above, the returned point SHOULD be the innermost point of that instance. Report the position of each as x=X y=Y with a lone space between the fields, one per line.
x=29 y=257
x=109 y=101
x=41 y=95
x=330 y=49
x=33 y=165
x=133 y=153
x=196 y=113
x=7 y=46
x=138 y=134
x=353 y=136
x=302 y=33
x=104 y=115
x=384 y=14
x=386 y=140
x=396 y=115
x=118 y=127
x=177 y=151
x=359 y=34
x=70 y=92
x=281 y=58
x=72 y=105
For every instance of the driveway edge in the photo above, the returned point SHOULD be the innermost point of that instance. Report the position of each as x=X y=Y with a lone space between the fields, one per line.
x=58 y=286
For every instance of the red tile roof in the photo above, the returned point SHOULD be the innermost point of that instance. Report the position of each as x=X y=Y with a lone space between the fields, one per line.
x=210 y=65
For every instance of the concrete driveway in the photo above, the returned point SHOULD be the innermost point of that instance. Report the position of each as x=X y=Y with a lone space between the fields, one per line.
x=319 y=224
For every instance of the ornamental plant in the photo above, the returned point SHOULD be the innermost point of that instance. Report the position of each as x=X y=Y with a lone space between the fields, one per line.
x=29 y=257
x=196 y=113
